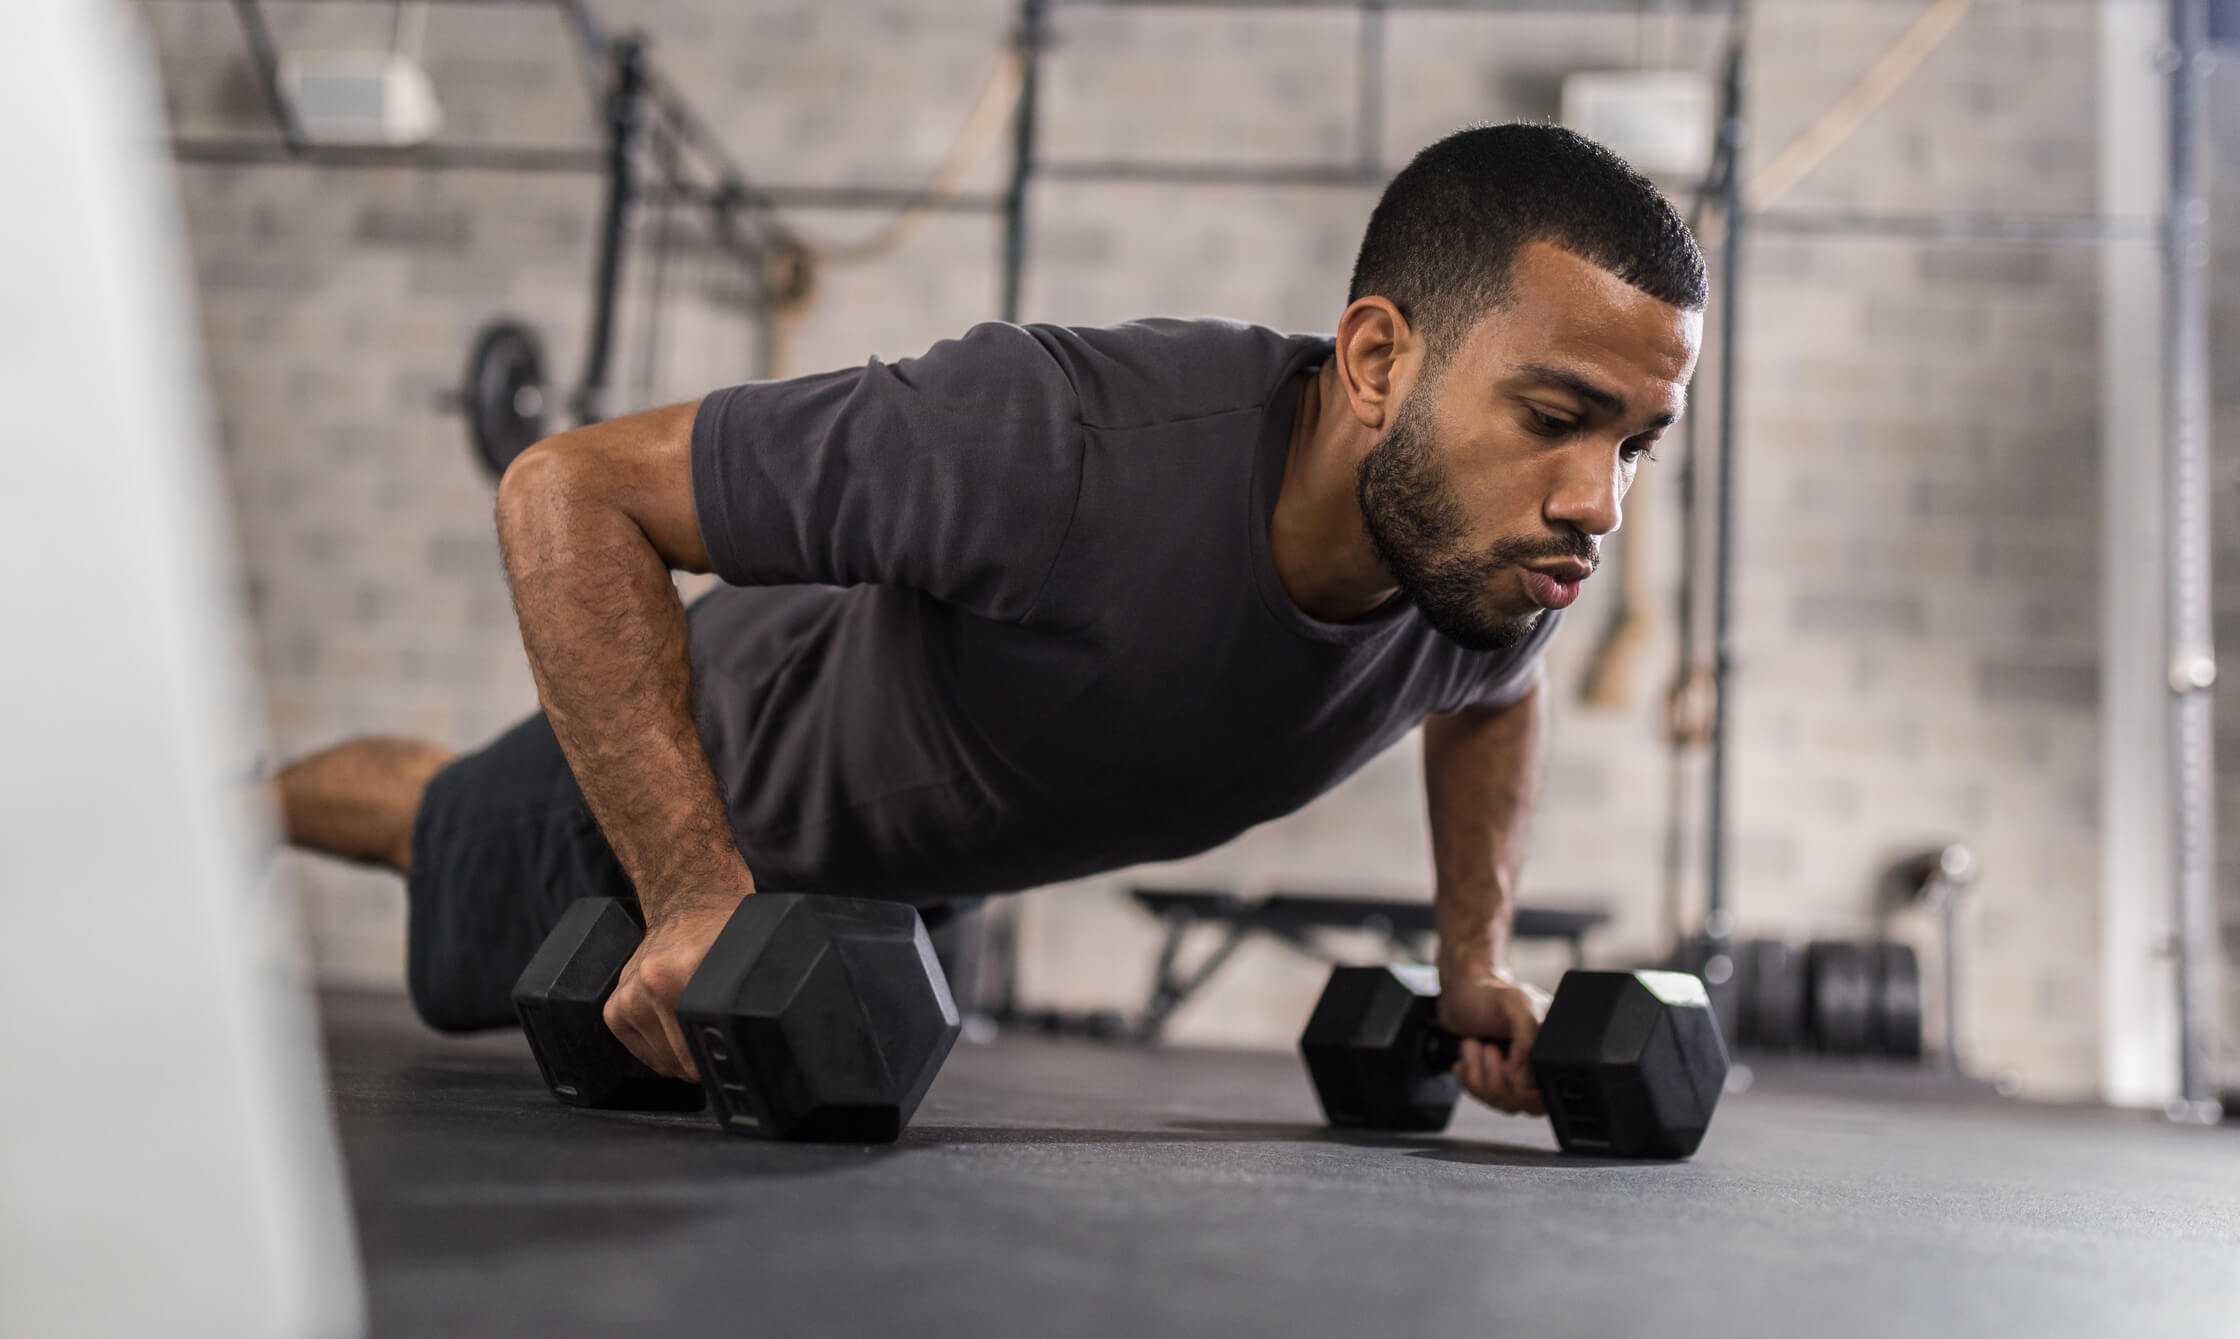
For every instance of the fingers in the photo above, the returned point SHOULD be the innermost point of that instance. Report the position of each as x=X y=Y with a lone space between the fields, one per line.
x=673 y=1034
x=1483 y=1077
x=622 y=1022
x=1517 y=1070
x=642 y=1011
x=649 y=1032
x=1501 y=1082
x=1479 y=1080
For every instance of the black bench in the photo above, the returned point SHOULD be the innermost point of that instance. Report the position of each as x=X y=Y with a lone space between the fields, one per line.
x=1296 y=918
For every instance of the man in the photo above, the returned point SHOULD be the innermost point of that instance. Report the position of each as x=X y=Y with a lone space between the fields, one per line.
x=1049 y=601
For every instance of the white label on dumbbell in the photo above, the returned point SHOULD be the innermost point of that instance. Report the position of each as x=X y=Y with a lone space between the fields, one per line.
x=1674 y=987
x=1421 y=977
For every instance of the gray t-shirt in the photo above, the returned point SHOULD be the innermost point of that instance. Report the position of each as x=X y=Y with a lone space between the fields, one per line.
x=1004 y=614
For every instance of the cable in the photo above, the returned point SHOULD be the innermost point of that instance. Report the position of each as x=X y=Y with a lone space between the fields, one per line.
x=1835 y=125
x=998 y=97
x=787 y=275
x=1808 y=150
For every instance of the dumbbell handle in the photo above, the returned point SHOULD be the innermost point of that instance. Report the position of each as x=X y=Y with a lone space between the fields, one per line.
x=1441 y=1048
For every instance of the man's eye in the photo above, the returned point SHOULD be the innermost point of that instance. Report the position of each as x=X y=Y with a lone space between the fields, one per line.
x=1633 y=453
x=1548 y=425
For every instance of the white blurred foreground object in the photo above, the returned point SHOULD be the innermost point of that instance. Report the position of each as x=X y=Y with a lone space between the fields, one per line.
x=1657 y=120
x=166 y=1162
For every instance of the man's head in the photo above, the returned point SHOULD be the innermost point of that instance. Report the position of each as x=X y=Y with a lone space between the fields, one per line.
x=1523 y=321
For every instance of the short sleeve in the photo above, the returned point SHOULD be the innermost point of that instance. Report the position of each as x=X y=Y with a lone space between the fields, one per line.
x=954 y=473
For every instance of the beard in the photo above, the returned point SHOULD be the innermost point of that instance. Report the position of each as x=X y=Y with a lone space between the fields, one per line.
x=1420 y=531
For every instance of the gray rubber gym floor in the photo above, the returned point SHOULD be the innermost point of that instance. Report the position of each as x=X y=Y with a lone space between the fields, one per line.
x=1052 y=1188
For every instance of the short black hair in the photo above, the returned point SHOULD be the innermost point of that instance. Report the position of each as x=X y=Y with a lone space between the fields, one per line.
x=1443 y=237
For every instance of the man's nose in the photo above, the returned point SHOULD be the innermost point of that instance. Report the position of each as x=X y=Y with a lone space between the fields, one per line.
x=1587 y=499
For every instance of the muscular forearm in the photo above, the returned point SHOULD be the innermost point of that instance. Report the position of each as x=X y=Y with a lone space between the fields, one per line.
x=1480 y=772
x=605 y=635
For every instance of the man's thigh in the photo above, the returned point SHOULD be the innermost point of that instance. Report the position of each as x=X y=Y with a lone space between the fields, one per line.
x=502 y=844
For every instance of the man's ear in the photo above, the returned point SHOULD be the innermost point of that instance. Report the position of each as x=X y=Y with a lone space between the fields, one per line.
x=1378 y=356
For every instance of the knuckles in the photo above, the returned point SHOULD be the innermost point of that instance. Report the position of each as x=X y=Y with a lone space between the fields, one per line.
x=618 y=1006
x=664 y=977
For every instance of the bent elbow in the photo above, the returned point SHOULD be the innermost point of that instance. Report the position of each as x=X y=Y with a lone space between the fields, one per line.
x=531 y=486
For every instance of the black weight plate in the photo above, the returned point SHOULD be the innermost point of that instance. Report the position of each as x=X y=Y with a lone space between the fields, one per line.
x=1741 y=991
x=1773 y=1013
x=1840 y=995
x=504 y=396
x=1897 y=1000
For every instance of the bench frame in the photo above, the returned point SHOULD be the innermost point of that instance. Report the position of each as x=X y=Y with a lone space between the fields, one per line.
x=1407 y=927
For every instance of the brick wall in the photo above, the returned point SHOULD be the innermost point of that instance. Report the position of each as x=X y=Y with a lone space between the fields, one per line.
x=1918 y=579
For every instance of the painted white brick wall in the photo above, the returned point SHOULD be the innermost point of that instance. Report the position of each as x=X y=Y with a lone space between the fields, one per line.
x=1916 y=558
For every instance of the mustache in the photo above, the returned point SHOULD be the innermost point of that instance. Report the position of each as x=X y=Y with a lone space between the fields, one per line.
x=1521 y=551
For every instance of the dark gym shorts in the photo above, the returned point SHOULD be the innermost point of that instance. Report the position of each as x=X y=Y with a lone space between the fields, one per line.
x=504 y=842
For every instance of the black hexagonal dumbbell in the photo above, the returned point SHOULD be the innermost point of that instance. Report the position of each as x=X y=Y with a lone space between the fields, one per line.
x=819 y=1017
x=561 y=999
x=1630 y=1064
x=811 y=1017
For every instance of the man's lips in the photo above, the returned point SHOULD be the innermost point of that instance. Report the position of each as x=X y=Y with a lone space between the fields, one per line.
x=1555 y=585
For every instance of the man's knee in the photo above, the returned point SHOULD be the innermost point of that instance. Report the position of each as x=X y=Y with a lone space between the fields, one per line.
x=450 y=997
x=461 y=957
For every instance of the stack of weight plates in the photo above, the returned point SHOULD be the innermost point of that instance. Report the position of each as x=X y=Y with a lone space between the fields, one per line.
x=1835 y=997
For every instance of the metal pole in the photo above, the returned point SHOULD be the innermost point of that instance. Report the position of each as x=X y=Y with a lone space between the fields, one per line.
x=1682 y=743
x=625 y=113
x=1680 y=749
x=266 y=62
x=1032 y=36
x=1731 y=133
x=2193 y=666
